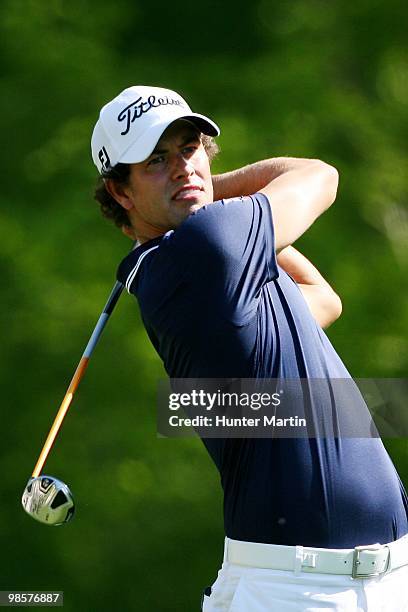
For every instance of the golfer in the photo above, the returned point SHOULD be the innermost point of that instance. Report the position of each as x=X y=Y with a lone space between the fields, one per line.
x=311 y=523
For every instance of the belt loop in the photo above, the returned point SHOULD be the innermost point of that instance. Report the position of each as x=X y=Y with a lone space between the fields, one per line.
x=298 y=560
x=225 y=550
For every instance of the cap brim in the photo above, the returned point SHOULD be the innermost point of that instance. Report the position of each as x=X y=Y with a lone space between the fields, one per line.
x=144 y=146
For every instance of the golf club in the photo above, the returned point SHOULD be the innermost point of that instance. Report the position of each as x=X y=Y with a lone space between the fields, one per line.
x=45 y=498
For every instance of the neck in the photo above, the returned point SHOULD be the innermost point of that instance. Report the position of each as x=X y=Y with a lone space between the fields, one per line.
x=142 y=231
x=146 y=232
x=141 y=239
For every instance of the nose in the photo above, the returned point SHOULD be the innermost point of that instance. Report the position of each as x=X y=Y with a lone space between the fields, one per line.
x=182 y=166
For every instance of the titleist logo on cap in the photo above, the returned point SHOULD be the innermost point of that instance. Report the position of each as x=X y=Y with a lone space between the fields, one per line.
x=136 y=109
x=119 y=138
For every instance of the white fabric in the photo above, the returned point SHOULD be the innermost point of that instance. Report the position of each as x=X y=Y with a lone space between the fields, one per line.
x=241 y=588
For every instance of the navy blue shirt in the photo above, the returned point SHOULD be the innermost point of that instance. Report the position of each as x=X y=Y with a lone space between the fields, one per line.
x=216 y=304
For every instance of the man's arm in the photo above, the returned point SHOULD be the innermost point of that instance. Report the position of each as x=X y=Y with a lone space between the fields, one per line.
x=299 y=190
x=249 y=179
x=324 y=303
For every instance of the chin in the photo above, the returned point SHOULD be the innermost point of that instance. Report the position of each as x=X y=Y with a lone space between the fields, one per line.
x=194 y=207
x=183 y=215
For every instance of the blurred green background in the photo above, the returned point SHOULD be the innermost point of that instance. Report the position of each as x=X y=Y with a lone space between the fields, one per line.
x=306 y=78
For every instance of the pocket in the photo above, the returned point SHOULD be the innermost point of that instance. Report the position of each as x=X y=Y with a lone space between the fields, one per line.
x=221 y=596
x=235 y=605
x=205 y=598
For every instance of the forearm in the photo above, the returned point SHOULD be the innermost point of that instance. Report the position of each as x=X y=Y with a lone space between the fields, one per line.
x=323 y=302
x=300 y=268
x=251 y=178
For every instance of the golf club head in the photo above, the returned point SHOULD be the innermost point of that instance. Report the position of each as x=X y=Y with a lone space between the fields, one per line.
x=48 y=500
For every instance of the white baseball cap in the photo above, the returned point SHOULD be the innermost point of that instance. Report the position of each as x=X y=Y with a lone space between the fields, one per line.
x=130 y=125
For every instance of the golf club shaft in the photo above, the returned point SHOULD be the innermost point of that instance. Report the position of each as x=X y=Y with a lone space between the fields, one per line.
x=76 y=379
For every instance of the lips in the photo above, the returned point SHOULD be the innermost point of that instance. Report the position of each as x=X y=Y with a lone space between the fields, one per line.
x=186 y=191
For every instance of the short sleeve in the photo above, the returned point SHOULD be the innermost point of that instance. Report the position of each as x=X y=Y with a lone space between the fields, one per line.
x=229 y=247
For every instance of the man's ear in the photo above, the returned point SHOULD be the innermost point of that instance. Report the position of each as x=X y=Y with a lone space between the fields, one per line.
x=120 y=193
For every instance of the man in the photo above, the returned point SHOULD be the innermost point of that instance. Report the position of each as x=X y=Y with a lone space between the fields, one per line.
x=223 y=294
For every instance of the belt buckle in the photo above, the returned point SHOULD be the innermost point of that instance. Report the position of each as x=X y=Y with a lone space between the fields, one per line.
x=356 y=561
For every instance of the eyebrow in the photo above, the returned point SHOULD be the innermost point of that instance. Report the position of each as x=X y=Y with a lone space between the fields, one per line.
x=189 y=138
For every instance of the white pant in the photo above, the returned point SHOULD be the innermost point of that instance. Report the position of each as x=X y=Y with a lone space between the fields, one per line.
x=248 y=589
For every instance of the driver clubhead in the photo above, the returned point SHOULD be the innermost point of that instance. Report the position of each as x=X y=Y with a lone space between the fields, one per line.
x=48 y=500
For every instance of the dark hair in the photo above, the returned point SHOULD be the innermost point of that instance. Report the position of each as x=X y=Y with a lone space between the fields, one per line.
x=110 y=208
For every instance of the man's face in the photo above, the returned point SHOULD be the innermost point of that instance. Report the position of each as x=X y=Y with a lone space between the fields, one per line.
x=170 y=184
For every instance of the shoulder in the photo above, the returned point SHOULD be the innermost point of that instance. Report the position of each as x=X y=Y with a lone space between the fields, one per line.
x=228 y=206
x=229 y=216
x=219 y=233
x=129 y=266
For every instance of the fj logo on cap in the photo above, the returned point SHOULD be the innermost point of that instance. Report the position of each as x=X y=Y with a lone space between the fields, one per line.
x=138 y=107
x=104 y=158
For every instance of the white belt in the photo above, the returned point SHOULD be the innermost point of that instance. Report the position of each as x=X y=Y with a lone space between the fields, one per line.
x=358 y=562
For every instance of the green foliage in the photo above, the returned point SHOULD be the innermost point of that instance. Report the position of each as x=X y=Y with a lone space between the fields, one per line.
x=306 y=78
